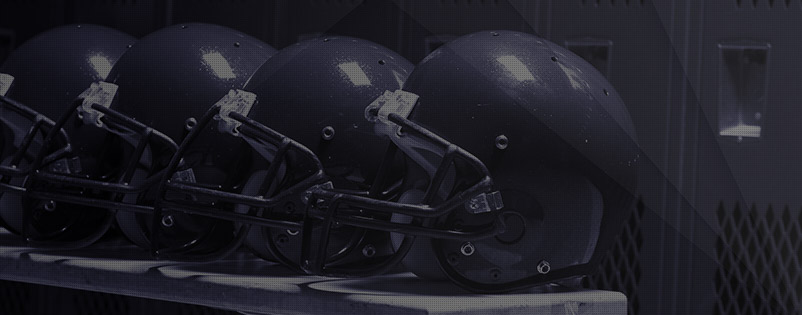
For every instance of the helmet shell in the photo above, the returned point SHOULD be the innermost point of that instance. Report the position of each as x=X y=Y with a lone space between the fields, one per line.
x=557 y=139
x=316 y=92
x=50 y=70
x=167 y=79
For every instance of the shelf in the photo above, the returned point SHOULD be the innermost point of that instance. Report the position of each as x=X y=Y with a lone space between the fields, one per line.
x=249 y=284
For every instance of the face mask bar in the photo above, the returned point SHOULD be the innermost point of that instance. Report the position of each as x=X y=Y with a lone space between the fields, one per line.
x=92 y=107
x=231 y=112
x=276 y=148
x=37 y=126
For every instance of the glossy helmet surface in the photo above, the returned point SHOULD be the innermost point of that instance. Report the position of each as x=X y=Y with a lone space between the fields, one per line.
x=146 y=105
x=558 y=142
x=166 y=81
x=315 y=92
x=49 y=71
x=320 y=112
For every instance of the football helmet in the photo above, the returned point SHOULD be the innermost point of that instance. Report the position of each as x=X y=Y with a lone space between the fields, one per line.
x=324 y=204
x=41 y=78
x=559 y=144
x=149 y=101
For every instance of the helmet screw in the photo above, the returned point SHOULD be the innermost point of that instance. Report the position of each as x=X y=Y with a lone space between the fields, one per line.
x=167 y=221
x=190 y=123
x=502 y=142
x=328 y=133
x=50 y=206
x=236 y=44
x=543 y=267
x=467 y=249
x=368 y=251
x=292 y=232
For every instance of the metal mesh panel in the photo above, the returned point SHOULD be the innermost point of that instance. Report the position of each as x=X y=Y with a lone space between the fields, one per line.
x=89 y=303
x=24 y=298
x=620 y=270
x=15 y=297
x=759 y=254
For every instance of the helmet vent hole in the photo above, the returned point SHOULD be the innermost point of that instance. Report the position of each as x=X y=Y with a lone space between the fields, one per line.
x=282 y=239
x=381 y=62
x=495 y=274
x=328 y=133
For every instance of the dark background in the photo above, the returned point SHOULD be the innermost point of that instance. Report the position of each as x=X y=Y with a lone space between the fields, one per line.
x=720 y=232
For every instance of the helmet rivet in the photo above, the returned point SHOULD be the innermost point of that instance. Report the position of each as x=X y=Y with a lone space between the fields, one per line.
x=50 y=206
x=190 y=123
x=183 y=27
x=292 y=232
x=167 y=221
x=129 y=46
x=543 y=267
x=328 y=133
x=502 y=142
x=494 y=33
x=325 y=40
x=606 y=92
x=368 y=251
x=467 y=249
x=381 y=62
x=553 y=58
x=236 y=44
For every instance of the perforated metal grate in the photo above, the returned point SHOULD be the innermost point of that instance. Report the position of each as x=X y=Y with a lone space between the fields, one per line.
x=620 y=270
x=15 y=297
x=759 y=254
x=23 y=299
x=89 y=303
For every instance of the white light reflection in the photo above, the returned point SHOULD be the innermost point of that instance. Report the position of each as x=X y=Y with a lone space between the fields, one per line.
x=219 y=65
x=517 y=68
x=354 y=73
x=101 y=65
x=742 y=130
